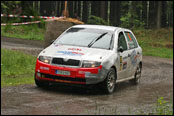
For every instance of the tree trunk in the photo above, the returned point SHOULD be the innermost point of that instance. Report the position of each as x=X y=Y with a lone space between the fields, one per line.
x=106 y=11
x=111 y=17
x=102 y=9
x=152 y=13
x=45 y=8
x=117 y=12
x=75 y=6
x=93 y=12
x=62 y=7
x=70 y=8
x=95 y=8
x=85 y=11
x=144 y=12
x=164 y=14
x=79 y=9
x=115 y=9
x=158 y=18
x=58 y=8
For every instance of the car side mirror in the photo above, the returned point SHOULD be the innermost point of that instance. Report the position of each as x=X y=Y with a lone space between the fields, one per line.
x=120 y=49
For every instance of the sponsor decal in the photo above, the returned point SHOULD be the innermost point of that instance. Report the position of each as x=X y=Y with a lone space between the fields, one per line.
x=133 y=57
x=69 y=53
x=124 y=65
x=76 y=49
x=125 y=57
x=129 y=37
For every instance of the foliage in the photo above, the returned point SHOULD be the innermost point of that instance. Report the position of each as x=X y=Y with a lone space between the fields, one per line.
x=163 y=107
x=131 y=21
x=7 y=6
x=96 y=20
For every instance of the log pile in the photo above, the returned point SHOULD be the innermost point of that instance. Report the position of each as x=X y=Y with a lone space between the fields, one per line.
x=55 y=27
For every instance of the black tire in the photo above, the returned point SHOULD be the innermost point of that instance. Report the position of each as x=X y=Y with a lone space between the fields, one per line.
x=108 y=84
x=137 y=75
x=41 y=84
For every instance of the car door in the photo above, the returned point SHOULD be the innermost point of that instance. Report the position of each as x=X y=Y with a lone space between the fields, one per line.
x=122 y=56
x=133 y=53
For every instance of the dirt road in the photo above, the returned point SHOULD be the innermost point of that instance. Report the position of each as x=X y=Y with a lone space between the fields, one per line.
x=156 y=81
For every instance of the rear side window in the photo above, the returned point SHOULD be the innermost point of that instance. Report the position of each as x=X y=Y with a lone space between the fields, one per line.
x=131 y=40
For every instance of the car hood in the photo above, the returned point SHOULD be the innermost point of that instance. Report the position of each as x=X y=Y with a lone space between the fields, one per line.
x=75 y=52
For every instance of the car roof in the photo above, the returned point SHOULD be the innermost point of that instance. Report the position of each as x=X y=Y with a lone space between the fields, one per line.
x=103 y=27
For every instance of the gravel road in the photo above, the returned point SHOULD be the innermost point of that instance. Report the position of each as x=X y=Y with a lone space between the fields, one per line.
x=156 y=81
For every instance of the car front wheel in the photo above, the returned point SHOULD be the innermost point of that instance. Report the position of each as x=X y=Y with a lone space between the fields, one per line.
x=109 y=83
x=41 y=83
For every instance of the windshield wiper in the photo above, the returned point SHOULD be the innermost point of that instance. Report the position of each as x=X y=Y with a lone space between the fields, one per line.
x=93 y=41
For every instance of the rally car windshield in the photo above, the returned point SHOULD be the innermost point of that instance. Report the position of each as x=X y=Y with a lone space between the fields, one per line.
x=86 y=37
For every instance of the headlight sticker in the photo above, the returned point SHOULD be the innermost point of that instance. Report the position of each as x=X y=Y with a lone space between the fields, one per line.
x=69 y=53
x=44 y=68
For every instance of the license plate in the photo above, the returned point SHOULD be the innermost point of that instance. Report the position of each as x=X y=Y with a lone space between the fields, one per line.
x=61 y=72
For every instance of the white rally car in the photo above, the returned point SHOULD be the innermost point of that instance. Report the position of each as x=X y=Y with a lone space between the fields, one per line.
x=91 y=54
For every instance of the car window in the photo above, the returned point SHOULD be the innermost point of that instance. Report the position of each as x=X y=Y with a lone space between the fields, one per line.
x=104 y=42
x=84 y=36
x=122 y=41
x=131 y=40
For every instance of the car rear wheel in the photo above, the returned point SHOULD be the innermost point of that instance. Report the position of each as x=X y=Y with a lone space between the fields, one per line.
x=109 y=83
x=137 y=75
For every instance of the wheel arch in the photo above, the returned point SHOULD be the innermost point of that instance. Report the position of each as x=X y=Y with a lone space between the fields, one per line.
x=114 y=67
x=140 y=64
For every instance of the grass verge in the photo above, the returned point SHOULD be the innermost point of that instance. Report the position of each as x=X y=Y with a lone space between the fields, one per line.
x=157 y=42
x=16 y=68
x=31 y=32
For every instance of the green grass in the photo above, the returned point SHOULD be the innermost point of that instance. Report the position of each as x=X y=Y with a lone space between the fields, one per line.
x=16 y=68
x=31 y=32
x=157 y=42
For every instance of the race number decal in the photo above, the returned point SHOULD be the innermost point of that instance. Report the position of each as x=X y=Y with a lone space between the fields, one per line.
x=121 y=62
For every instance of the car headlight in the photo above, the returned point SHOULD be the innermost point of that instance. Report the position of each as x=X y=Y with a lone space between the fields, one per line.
x=90 y=64
x=45 y=59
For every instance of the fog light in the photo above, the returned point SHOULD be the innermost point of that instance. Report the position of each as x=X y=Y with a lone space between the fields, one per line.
x=38 y=74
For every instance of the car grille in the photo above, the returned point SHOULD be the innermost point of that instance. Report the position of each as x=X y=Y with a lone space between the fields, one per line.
x=64 y=78
x=70 y=62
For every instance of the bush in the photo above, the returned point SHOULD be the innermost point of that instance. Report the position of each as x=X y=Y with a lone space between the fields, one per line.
x=131 y=21
x=96 y=20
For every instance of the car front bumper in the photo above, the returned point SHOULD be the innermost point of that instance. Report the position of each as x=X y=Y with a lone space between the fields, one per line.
x=47 y=72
